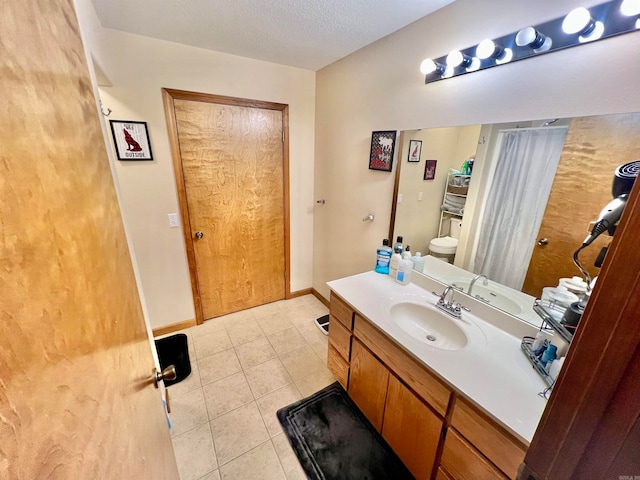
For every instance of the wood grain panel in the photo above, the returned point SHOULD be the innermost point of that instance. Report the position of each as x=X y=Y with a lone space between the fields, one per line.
x=232 y=162
x=338 y=366
x=411 y=428
x=597 y=389
x=75 y=396
x=368 y=382
x=491 y=439
x=442 y=474
x=340 y=338
x=340 y=310
x=464 y=462
x=432 y=390
x=594 y=147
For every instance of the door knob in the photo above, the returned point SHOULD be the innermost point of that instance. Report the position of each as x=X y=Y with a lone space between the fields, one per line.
x=543 y=241
x=199 y=235
x=168 y=373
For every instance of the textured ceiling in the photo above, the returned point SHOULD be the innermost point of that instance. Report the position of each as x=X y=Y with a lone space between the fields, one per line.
x=308 y=34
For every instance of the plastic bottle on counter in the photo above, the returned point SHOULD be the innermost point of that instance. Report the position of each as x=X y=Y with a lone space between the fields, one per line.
x=418 y=262
x=407 y=253
x=394 y=263
x=397 y=247
x=404 y=271
x=549 y=354
x=383 y=257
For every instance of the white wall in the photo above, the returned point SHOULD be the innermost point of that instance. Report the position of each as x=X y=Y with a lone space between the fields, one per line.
x=418 y=220
x=137 y=68
x=380 y=88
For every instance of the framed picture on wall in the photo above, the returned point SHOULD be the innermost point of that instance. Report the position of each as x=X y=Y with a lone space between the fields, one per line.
x=430 y=169
x=383 y=145
x=131 y=140
x=415 y=149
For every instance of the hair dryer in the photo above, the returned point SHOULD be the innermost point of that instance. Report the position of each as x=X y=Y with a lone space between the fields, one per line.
x=623 y=180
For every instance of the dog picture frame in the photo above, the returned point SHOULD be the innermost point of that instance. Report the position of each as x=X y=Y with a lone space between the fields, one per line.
x=131 y=140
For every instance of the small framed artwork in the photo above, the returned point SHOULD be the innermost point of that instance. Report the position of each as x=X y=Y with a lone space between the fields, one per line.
x=430 y=169
x=131 y=140
x=383 y=145
x=415 y=149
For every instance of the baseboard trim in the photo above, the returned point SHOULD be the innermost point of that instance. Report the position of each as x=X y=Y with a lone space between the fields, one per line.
x=299 y=293
x=174 y=327
x=320 y=297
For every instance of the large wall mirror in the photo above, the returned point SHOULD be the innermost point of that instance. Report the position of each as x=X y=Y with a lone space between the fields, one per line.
x=534 y=188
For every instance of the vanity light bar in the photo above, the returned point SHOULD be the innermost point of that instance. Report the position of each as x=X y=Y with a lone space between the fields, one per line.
x=579 y=26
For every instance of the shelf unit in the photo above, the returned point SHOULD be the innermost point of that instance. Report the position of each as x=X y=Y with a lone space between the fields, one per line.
x=550 y=316
x=455 y=194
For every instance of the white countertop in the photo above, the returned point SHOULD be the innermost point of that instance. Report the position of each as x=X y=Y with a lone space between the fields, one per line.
x=492 y=372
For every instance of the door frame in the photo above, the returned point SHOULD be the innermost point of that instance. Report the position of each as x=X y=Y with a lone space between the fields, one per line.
x=169 y=96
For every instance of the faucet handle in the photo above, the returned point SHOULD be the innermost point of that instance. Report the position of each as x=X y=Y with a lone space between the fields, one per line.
x=460 y=307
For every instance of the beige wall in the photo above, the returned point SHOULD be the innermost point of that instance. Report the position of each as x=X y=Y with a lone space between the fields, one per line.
x=380 y=88
x=418 y=220
x=137 y=68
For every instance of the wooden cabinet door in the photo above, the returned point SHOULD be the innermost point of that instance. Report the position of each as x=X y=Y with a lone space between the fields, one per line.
x=463 y=462
x=368 y=383
x=411 y=428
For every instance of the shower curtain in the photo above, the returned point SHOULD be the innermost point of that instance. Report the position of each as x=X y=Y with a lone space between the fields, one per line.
x=517 y=198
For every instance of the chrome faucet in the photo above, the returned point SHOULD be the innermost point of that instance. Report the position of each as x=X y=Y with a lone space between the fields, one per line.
x=475 y=279
x=450 y=307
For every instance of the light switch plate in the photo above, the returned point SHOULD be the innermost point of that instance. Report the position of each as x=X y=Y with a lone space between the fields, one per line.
x=419 y=196
x=173 y=220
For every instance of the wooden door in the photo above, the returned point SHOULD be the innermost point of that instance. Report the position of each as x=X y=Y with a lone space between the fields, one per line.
x=594 y=147
x=412 y=429
x=231 y=160
x=76 y=400
x=368 y=382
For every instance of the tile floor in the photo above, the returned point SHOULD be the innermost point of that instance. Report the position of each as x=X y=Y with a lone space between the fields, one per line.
x=245 y=366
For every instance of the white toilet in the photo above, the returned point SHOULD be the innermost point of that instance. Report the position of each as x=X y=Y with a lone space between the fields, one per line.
x=444 y=248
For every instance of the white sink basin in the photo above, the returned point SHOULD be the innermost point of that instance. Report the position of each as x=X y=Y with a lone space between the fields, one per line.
x=426 y=324
x=491 y=295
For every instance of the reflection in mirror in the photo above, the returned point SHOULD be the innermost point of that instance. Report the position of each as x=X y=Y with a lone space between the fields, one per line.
x=533 y=191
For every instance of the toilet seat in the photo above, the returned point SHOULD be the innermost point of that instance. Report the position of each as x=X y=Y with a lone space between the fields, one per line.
x=444 y=245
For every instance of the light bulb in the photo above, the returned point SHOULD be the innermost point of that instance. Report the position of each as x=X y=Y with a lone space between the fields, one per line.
x=448 y=72
x=530 y=37
x=485 y=49
x=594 y=34
x=577 y=20
x=455 y=58
x=506 y=57
x=629 y=8
x=427 y=66
x=473 y=65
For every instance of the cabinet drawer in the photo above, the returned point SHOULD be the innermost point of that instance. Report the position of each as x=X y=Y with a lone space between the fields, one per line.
x=341 y=311
x=338 y=366
x=340 y=338
x=491 y=439
x=426 y=385
x=464 y=462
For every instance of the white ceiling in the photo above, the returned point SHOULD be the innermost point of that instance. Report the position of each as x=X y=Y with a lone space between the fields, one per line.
x=307 y=34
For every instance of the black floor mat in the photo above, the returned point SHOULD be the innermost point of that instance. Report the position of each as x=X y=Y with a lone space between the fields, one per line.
x=333 y=439
x=174 y=350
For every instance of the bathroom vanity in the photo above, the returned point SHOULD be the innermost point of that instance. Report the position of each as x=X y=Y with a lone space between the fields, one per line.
x=464 y=405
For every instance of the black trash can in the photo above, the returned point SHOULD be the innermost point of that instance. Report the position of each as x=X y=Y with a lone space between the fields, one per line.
x=174 y=350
